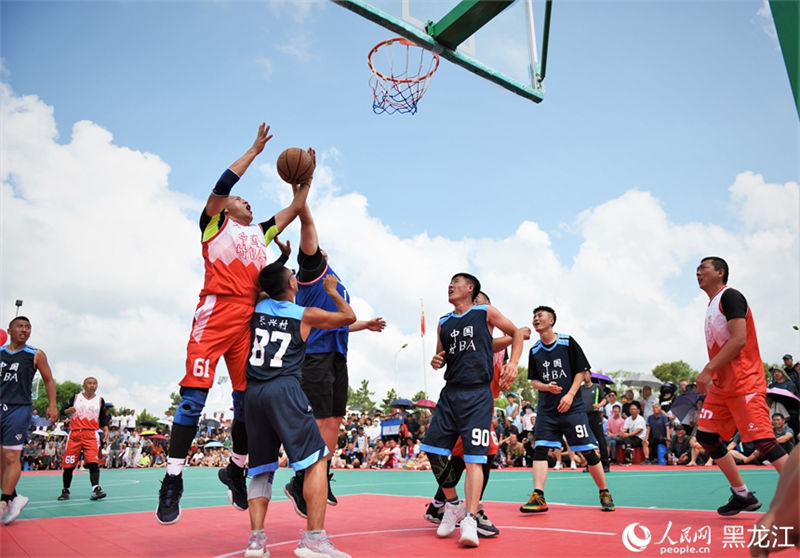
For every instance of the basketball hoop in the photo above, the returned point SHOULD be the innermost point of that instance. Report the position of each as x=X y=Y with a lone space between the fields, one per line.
x=410 y=68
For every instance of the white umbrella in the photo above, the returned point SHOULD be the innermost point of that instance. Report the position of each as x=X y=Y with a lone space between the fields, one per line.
x=641 y=379
x=57 y=432
x=40 y=433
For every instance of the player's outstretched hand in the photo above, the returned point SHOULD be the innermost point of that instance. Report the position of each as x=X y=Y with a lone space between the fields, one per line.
x=330 y=283
x=376 y=324
x=262 y=137
x=313 y=155
x=286 y=248
x=438 y=360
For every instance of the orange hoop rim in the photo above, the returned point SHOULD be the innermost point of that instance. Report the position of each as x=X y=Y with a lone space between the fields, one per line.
x=405 y=42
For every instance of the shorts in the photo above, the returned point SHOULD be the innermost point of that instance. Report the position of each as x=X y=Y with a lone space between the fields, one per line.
x=278 y=413
x=325 y=383
x=87 y=441
x=458 y=448
x=221 y=328
x=549 y=430
x=14 y=422
x=748 y=414
x=465 y=413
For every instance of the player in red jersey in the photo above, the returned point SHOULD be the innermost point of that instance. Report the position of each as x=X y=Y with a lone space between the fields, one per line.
x=234 y=252
x=435 y=510
x=87 y=414
x=735 y=383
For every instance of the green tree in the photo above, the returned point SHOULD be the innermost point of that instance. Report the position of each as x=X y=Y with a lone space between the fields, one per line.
x=64 y=391
x=419 y=395
x=175 y=399
x=361 y=396
x=144 y=415
x=675 y=372
x=386 y=403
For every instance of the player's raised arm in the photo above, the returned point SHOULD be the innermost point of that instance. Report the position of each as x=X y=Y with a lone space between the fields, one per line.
x=322 y=319
x=217 y=200
x=288 y=214
x=375 y=324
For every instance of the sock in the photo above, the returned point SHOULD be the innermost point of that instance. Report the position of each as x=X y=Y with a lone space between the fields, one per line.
x=454 y=501
x=437 y=503
x=238 y=459
x=6 y=498
x=740 y=490
x=314 y=535
x=175 y=465
x=603 y=490
x=95 y=486
x=258 y=532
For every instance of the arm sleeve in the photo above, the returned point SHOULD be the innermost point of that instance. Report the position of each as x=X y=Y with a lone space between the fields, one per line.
x=105 y=417
x=578 y=361
x=733 y=304
x=69 y=403
x=311 y=267
x=270 y=229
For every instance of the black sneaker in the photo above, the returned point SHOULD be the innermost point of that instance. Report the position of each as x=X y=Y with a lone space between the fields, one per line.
x=169 y=499
x=535 y=504
x=739 y=503
x=234 y=477
x=332 y=501
x=606 y=501
x=294 y=491
x=434 y=514
x=64 y=495
x=97 y=494
x=486 y=528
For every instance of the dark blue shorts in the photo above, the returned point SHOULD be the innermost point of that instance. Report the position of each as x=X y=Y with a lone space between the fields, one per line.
x=549 y=429
x=277 y=412
x=325 y=382
x=14 y=422
x=461 y=412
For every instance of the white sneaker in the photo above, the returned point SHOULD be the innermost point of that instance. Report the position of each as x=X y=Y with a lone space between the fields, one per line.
x=558 y=466
x=15 y=508
x=453 y=514
x=320 y=548
x=469 y=531
x=256 y=546
x=572 y=465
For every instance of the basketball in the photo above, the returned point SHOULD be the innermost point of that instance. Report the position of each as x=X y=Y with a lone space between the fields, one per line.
x=295 y=165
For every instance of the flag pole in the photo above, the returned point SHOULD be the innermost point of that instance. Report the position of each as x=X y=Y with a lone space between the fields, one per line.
x=422 y=339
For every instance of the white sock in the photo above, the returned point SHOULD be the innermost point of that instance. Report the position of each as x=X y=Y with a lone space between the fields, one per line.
x=740 y=490
x=238 y=459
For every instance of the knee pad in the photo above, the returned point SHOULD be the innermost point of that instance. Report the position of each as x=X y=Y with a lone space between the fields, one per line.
x=540 y=453
x=191 y=406
x=712 y=445
x=445 y=470
x=769 y=449
x=591 y=457
x=238 y=405
x=261 y=486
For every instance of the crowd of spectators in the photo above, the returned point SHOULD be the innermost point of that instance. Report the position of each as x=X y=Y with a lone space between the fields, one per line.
x=376 y=441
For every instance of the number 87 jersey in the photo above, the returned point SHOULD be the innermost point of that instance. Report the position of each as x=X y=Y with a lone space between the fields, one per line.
x=277 y=347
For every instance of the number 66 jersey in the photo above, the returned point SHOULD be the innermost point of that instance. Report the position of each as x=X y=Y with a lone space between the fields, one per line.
x=276 y=345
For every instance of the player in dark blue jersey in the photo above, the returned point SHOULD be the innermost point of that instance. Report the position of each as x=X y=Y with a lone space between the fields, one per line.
x=18 y=364
x=325 y=377
x=465 y=403
x=557 y=367
x=277 y=412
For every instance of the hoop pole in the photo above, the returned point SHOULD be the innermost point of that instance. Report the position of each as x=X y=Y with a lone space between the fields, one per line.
x=532 y=53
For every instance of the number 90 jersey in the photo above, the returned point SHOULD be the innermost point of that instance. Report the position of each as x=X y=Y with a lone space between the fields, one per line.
x=276 y=346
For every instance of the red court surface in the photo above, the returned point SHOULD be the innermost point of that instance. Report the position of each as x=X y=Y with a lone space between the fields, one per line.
x=386 y=526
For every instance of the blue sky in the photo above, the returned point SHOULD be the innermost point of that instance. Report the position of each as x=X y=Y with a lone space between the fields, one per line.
x=667 y=132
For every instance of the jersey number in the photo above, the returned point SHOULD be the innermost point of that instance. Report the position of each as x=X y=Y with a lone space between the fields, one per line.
x=200 y=368
x=259 y=339
x=581 y=430
x=480 y=437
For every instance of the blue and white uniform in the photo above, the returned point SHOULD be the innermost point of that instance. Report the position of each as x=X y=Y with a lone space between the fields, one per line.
x=276 y=409
x=559 y=363
x=465 y=403
x=16 y=381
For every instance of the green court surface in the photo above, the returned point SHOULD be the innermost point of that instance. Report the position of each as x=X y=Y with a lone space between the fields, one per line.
x=135 y=490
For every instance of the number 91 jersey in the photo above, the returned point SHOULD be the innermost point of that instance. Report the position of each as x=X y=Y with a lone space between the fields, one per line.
x=276 y=345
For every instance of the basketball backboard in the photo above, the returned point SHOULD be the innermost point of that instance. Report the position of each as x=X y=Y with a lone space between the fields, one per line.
x=495 y=39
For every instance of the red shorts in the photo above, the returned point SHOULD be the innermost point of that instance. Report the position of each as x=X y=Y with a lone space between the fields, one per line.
x=86 y=440
x=458 y=447
x=221 y=328
x=748 y=414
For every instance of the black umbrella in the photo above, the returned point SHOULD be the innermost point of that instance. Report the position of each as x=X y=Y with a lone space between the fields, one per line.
x=402 y=403
x=209 y=423
x=149 y=423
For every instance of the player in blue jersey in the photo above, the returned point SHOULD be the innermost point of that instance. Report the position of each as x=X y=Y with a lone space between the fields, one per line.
x=557 y=368
x=277 y=411
x=18 y=364
x=465 y=403
x=325 y=377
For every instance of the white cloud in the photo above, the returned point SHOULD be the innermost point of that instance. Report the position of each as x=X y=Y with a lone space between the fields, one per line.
x=107 y=259
x=266 y=66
